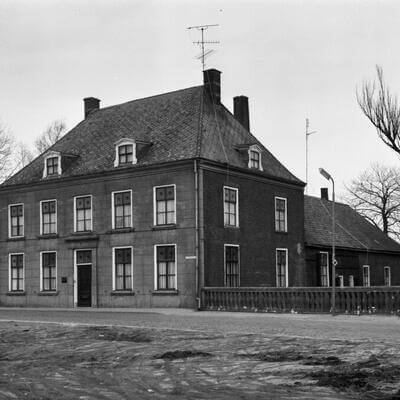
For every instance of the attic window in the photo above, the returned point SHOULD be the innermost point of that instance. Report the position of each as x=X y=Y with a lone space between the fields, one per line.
x=125 y=152
x=255 y=158
x=52 y=164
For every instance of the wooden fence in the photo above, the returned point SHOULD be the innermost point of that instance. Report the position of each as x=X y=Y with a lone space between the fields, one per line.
x=354 y=300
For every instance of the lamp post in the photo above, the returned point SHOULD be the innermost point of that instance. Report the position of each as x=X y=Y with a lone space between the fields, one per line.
x=327 y=176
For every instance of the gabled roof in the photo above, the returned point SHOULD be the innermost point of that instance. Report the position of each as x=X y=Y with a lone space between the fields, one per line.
x=351 y=229
x=179 y=125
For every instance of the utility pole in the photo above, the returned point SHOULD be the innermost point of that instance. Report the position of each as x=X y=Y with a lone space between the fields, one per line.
x=307 y=135
x=202 y=42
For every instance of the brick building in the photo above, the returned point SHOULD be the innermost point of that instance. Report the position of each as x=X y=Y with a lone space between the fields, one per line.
x=365 y=255
x=143 y=203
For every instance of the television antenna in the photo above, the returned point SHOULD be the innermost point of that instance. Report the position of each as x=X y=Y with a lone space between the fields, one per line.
x=204 y=53
x=308 y=133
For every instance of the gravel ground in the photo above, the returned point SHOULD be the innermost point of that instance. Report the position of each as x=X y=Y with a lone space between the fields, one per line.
x=163 y=354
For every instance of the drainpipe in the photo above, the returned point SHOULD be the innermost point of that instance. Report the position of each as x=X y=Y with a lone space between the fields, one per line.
x=196 y=188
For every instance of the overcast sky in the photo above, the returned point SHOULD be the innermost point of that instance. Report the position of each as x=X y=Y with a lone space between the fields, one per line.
x=293 y=59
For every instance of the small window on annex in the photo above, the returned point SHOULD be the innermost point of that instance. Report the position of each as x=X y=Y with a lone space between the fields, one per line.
x=365 y=270
x=324 y=268
x=281 y=268
x=387 y=278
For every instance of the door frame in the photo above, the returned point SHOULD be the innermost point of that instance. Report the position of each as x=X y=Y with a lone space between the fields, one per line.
x=76 y=277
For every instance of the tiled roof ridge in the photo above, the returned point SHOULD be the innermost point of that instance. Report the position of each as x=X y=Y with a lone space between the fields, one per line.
x=199 y=138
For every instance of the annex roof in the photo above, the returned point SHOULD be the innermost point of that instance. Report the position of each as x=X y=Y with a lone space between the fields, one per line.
x=351 y=229
x=178 y=125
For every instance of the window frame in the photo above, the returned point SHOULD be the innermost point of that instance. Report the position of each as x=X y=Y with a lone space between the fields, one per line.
x=10 y=276
x=125 y=142
x=236 y=208
x=113 y=210
x=9 y=221
x=76 y=214
x=256 y=149
x=368 y=283
x=275 y=214
x=156 y=288
x=225 y=275
x=41 y=217
x=286 y=267
x=387 y=268
x=52 y=154
x=41 y=271
x=327 y=268
x=155 y=211
x=114 y=269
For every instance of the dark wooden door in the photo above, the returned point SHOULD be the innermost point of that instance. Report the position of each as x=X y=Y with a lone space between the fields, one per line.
x=84 y=285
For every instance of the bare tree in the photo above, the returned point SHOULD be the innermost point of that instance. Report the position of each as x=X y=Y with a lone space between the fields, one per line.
x=381 y=107
x=22 y=156
x=52 y=133
x=375 y=194
x=6 y=150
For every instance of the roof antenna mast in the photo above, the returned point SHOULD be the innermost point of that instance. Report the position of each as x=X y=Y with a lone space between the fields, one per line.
x=204 y=53
x=308 y=133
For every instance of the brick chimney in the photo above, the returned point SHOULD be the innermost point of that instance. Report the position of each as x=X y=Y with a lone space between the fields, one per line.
x=212 y=84
x=324 y=194
x=91 y=104
x=241 y=110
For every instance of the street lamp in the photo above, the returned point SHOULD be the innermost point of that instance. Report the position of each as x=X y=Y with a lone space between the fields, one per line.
x=327 y=176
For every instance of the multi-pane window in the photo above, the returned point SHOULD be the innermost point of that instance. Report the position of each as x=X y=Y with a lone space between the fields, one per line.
x=52 y=166
x=83 y=214
x=165 y=205
x=48 y=211
x=166 y=267
x=231 y=207
x=125 y=154
x=365 y=275
x=254 y=159
x=123 y=268
x=324 y=268
x=280 y=214
x=49 y=271
x=387 y=276
x=232 y=266
x=16 y=220
x=122 y=210
x=281 y=268
x=16 y=272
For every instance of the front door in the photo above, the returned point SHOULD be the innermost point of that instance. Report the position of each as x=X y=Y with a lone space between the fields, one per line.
x=84 y=275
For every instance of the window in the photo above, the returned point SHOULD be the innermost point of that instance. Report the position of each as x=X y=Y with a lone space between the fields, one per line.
x=123 y=268
x=48 y=272
x=351 y=280
x=254 y=159
x=16 y=220
x=365 y=275
x=83 y=213
x=122 y=209
x=231 y=208
x=165 y=267
x=165 y=205
x=387 y=278
x=340 y=281
x=281 y=268
x=125 y=152
x=52 y=164
x=324 y=268
x=16 y=273
x=280 y=214
x=232 y=272
x=48 y=217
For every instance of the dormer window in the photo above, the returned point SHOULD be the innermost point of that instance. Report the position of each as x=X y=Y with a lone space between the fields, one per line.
x=52 y=164
x=125 y=152
x=255 y=158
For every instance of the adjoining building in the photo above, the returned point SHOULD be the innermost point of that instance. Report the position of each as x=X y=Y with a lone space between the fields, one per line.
x=143 y=203
x=365 y=255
